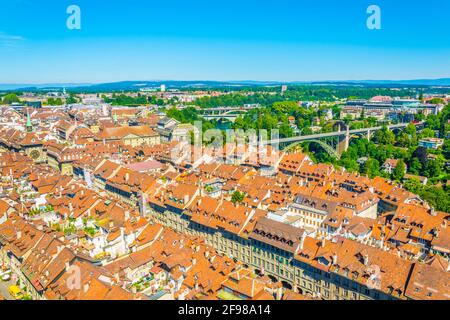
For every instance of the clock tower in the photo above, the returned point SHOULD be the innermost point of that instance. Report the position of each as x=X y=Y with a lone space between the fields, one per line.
x=29 y=125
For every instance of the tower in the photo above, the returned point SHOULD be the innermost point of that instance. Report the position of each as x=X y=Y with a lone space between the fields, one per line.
x=29 y=125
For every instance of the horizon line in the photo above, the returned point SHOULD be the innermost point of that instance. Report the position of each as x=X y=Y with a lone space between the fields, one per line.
x=221 y=80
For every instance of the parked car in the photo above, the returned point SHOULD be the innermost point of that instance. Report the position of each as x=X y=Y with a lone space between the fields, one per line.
x=6 y=277
x=15 y=292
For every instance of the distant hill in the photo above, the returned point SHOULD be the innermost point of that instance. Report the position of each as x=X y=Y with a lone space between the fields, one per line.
x=419 y=82
x=136 y=85
x=41 y=86
x=171 y=84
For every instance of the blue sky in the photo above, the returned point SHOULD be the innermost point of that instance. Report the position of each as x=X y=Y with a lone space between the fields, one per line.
x=282 y=40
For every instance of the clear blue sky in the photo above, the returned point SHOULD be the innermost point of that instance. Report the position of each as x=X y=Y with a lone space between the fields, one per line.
x=281 y=40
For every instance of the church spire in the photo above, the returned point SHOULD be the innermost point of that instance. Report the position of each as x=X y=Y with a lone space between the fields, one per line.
x=29 y=125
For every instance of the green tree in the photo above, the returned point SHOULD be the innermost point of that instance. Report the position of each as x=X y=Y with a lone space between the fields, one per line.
x=347 y=119
x=415 y=166
x=54 y=102
x=237 y=197
x=436 y=101
x=372 y=168
x=399 y=171
x=427 y=133
x=411 y=129
x=413 y=185
x=434 y=168
x=72 y=99
x=10 y=98
x=421 y=154
x=404 y=140
x=384 y=136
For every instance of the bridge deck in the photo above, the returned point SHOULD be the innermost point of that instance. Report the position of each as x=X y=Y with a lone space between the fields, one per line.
x=334 y=134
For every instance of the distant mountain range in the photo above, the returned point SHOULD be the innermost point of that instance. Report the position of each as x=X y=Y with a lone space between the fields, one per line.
x=134 y=85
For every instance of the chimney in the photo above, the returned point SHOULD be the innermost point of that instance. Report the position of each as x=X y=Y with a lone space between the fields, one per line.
x=127 y=176
x=59 y=249
x=302 y=240
x=436 y=233
x=335 y=259
x=127 y=215
x=186 y=198
x=279 y=293
x=366 y=259
x=86 y=287
x=322 y=243
x=18 y=235
x=433 y=212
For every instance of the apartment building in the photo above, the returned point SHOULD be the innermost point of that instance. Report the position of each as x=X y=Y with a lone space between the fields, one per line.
x=321 y=268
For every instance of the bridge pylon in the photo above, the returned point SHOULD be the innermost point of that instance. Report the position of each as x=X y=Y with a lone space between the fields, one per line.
x=344 y=142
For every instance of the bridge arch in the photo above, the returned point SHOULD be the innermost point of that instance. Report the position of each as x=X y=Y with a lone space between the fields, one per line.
x=286 y=284
x=358 y=135
x=339 y=125
x=329 y=149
